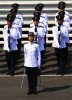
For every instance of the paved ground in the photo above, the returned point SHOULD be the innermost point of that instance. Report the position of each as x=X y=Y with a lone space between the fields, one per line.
x=52 y=86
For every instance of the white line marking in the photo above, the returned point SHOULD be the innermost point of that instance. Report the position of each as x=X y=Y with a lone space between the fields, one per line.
x=40 y=75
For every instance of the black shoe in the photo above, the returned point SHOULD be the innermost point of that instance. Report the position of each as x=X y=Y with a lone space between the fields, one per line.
x=30 y=93
x=62 y=72
x=59 y=72
x=12 y=74
x=8 y=73
x=35 y=92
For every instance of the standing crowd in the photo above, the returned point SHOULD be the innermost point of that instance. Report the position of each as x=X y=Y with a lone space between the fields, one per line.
x=34 y=49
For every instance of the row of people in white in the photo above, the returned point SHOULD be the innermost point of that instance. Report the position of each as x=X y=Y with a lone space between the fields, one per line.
x=12 y=32
x=60 y=40
x=18 y=23
x=61 y=36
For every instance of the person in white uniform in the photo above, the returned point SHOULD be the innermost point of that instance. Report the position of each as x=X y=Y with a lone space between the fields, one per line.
x=10 y=44
x=39 y=33
x=32 y=63
x=60 y=33
x=16 y=6
x=66 y=22
x=19 y=21
x=39 y=8
x=43 y=17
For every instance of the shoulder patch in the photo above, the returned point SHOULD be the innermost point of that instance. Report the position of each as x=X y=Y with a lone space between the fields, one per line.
x=67 y=14
x=40 y=26
x=18 y=17
x=42 y=16
x=31 y=25
x=6 y=26
x=14 y=27
x=25 y=43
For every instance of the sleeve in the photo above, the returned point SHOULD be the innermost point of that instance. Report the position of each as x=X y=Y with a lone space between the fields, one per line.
x=41 y=32
x=14 y=33
x=24 y=51
x=68 y=23
x=56 y=23
x=45 y=25
x=39 y=57
x=46 y=19
x=53 y=32
x=5 y=37
x=64 y=33
x=55 y=37
x=22 y=19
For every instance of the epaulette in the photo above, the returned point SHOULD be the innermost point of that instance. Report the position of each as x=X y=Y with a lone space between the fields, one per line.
x=19 y=13
x=25 y=43
x=15 y=23
x=41 y=26
x=5 y=26
x=41 y=23
x=66 y=13
x=35 y=42
x=14 y=27
x=31 y=25
x=18 y=18
x=42 y=16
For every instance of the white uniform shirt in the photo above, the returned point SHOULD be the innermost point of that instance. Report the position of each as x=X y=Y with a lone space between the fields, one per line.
x=21 y=17
x=43 y=21
x=64 y=35
x=18 y=30
x=13 y=38
x=32 y=57
x=66 y=20
x=18 y=22
x=44 y=15
x=40 y=35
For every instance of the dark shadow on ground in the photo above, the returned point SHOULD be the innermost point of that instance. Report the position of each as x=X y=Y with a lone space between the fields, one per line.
x=52 y=89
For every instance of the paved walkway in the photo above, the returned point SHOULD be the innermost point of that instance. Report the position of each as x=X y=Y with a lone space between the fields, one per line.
x=50 y=88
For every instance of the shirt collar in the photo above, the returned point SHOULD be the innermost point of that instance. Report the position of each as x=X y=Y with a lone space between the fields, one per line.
x=30 y=42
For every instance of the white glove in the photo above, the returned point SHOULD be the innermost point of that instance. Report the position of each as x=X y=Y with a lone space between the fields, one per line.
x=8 y=35
x=8 y=50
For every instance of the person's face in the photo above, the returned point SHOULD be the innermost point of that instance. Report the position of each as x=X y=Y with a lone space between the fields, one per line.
x=16 y=8
x=31 y=38
x=61 y=10
x=9 y=23
x=35 y=22
x=60 y=22
x=14 y=14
